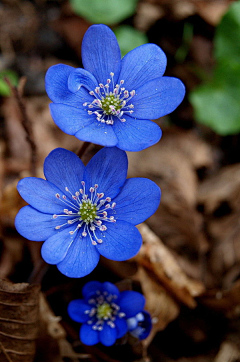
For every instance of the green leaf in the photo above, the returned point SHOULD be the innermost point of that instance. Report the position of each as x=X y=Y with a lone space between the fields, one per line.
x=4 y=88
x=104 y=11
x=217 y=104
x=129 y=38
x=227 y=38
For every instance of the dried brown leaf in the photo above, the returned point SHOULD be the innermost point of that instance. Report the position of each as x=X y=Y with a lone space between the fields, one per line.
x=225 y=301
x=162 y=307
x=19 y=307
x=159 y=261
x=173 y=165
x=219 y=197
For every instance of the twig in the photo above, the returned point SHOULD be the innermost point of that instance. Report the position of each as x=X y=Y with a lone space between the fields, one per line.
x=26 y=124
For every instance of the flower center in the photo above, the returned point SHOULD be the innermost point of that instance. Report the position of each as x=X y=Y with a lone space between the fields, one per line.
x=88 y=211
x=104 y=311
x=110 y=102
x=88 y=214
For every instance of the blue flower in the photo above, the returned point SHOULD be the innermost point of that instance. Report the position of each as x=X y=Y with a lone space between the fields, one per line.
x=81 y=212
x=112 y=101
x=140 y=325
x=104 y=312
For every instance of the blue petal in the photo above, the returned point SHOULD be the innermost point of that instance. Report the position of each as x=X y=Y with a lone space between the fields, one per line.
x=100 y=52
x=71 y=119
x=97 y=132
x=81 y=259
x=158 y=98
x=108 y=169
x=108 y=335
x=40 y=194
x=76 y=310
x=132 y=323
x=136 y=134
x=64 y=169
x=121 y=241
x=88 y=336
x=35 y=225
x=142 y=65
x=56 y=82
x=137 y=201
x=121 y=326
x=57 y=87
x=111 y=289
x=91 y=288
x=56 y=247
x=81 y=77
x=131 y=303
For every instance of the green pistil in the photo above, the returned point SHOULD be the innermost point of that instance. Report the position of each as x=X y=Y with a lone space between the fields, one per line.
x=110 y=100
x=88 y=211
x=104 y=311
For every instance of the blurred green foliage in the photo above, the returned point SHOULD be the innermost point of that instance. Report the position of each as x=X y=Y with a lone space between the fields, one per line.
x=104 y=11
x=217 y=102
x=129 y=38
x=13 y=78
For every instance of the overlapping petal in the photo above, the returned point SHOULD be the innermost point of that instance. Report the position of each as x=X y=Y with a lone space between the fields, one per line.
x=100 y=52
x=71 y=119
x=56 y=82
x=108 y=169
x=158 y=98
x=111 y=289
x=131 y=303
x=136 y=134
x=35 y=225
x=121 y=241
x=55 y=248
x=77 y=309
x=90 y=288
x=132 y=204
x=142 y=65
x=88 y=336
x=40 y=194
x=64 y=169
x=108 y=335
x=97 y=132
x=122 y=327
x=81 y=78
x=81 y=259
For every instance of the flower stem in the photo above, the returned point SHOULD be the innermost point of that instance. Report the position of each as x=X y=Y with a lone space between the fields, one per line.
x=83 y=148
x=26 y=123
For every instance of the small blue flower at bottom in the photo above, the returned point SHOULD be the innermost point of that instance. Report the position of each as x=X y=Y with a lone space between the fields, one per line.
x=81 y=212
x=104 y=312
x=140 y=325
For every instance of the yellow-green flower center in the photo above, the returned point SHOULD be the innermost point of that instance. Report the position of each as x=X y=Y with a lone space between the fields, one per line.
x=104 y=311
x=88 y=211
x=111 y=104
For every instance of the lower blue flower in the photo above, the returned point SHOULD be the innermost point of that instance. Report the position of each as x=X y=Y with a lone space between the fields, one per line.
x=83 y=212
x=104 y=312
x=140 y=325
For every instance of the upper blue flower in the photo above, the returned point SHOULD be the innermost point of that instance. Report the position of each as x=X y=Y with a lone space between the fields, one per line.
x=111 y=101
x=104 y=312
x=81 y=212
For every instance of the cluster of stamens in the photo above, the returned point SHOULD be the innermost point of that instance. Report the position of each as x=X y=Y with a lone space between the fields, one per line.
x=104 y=310
x=109 y=103
x=88 y=213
